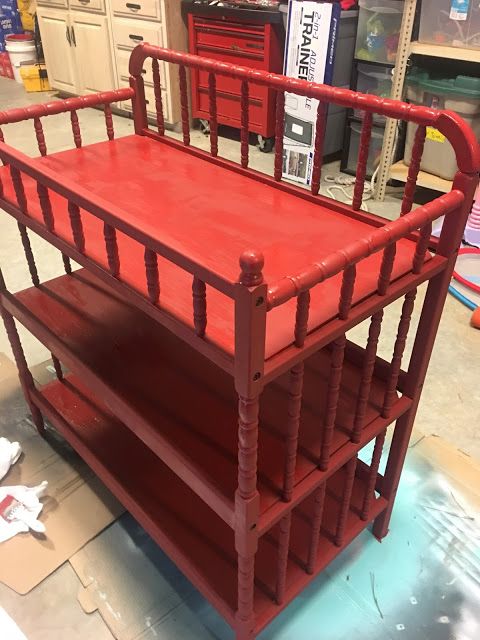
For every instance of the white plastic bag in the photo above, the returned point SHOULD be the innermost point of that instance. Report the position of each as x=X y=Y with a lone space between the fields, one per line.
x=19 y=510
x=9 y=454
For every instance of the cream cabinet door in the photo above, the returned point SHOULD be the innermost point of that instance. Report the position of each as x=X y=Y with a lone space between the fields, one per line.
x=93 y=57
x=57 y=48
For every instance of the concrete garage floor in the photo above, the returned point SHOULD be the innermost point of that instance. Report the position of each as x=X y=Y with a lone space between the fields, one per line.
x=451 y=399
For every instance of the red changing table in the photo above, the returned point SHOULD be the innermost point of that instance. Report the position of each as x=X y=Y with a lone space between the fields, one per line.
x=211 y=383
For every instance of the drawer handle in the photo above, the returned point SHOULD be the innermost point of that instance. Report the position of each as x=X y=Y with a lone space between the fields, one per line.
x=133 y=6
x=252 y=45
x=84 y=1
x=132 y=36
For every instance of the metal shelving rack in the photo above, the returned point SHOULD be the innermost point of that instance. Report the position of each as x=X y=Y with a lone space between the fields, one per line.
x=403 y=54
x=406 y=48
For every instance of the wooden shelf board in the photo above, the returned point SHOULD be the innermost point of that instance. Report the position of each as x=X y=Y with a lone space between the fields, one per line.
x=182 y=406
x=399 y=171
x=444 y=51
x=199 y=543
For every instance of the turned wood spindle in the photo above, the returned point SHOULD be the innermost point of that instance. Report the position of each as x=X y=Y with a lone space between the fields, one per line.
x=295 y=389
x=386 y=268
x=398 y=350
x=333 y=393
x=24 y=374
x=151 y=271
x=245 y=587
x=244 y=124
x=346 y=292
x=67 y=264
x=77 y=136
x=362 y=162
x=111 y=246
x=284 y=527
x=367 y=375
x=413 y=169
x=76 y=226
x=247 y=446
x=350 y=469
x=422 y=247
x=212 y=107
x=301 y=318
x=19 y=190
x=318 y=149
x=279 y=129
x=57 y=366
x=27 y=248
x=109 y=121
x=373 y=475
x=319 y=502
x=184 y=104
x=46 y=206
x=157 y=89
x=42 y=146
x=199 y=293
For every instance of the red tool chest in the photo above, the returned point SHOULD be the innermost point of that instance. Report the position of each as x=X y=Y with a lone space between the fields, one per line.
x=236 y=40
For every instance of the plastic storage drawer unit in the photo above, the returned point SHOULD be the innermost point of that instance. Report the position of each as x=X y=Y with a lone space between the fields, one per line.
x=451 y=22
x=375 y=81
x=378 y=30
x=460 y=94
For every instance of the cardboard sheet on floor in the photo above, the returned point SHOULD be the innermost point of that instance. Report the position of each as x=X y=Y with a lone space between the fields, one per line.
x=77 y=506
x=421 y=583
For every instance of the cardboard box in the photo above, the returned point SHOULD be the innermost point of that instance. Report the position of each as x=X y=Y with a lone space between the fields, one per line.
x=309 y=55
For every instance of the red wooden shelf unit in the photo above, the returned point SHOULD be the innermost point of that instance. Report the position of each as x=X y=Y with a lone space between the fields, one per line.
x=203 y=367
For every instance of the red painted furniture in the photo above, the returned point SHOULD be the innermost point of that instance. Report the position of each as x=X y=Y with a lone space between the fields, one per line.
x=251 y=41
x=211 y=383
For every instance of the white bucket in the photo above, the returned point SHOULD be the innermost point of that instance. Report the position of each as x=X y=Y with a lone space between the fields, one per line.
x=21 y=48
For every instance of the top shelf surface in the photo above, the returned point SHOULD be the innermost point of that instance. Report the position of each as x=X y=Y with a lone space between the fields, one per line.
x=444 y=51
x=211 y=215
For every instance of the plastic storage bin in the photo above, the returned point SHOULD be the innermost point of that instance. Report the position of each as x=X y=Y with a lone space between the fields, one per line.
x=355 y=129
x=376 y=81
x=460 y=94
x=451 y=23
x=378 y=30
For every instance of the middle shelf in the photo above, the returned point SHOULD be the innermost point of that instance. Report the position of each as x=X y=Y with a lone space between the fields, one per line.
x=182 y=406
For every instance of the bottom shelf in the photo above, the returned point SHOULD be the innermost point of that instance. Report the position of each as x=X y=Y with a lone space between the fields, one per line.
x=196 y=539
x=399 y=171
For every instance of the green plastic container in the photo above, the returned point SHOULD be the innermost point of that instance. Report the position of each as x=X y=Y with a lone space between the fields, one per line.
x=460 y=94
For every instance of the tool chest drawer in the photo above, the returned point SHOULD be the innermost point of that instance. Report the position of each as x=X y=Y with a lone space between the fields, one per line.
x=245 y=39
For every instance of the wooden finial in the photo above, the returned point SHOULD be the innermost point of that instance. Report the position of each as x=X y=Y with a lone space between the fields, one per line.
x=251 y=264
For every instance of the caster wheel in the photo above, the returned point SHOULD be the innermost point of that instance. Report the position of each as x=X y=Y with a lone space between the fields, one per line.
x=265 y=144
x=204 y=126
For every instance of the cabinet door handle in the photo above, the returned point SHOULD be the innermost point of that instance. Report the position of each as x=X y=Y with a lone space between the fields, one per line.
x=67 y=35
x=132 y=36
x=133 y=6
x=74 y=40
